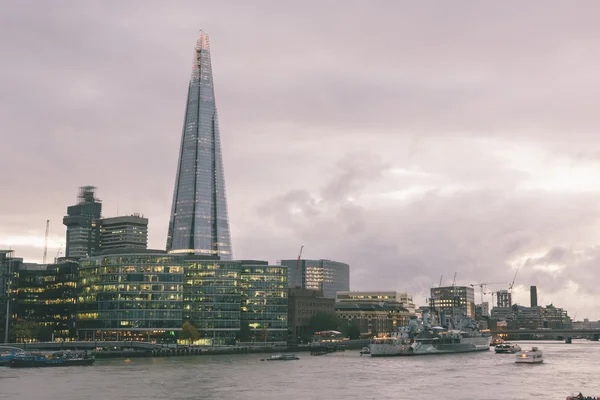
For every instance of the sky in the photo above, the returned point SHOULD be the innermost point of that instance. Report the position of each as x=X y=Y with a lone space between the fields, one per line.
x=411 y=140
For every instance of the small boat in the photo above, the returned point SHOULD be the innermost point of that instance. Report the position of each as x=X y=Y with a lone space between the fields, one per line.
x=59 y=359
x=507 y=348
x=496 y=341
x=281 y=357
x=6 y=357
x=365 y=350
x=533 y=356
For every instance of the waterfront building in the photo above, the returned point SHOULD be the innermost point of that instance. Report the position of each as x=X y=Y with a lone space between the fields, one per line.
x=451 y=299
x=126 y=232
x=533 y=296
x=373 y=318
x=504 y=298
x=83 y=230
x=264 y=301
x=199 y=222
x=212 y=298
x=8 y=268
x=403 y=299
x=44 y=301
x=130 y=295
x=303 y=304
x=586 y=324
x=326 y=275
x=556 y=318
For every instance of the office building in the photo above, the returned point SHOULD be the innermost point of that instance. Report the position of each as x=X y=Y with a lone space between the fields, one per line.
x=83 y=230
x=403 y=299
x=130 y=295
x=8 y=267
x=326 y=275
x=452 y=299
x=504 y=298
x=199 y=223
x=44 y=303
x=533 y=296
x=302 y=305
x=264 y=301
x=127 y=232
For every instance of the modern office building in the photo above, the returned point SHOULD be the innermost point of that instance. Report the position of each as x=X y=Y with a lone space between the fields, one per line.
x=533 y=296
x=212 y=298
x=403 y=299
x=326 y=275
x=199 y=223
x=83 y=230
x=130 y=295
x=8 y=267
x=126 y=232
x=504 y=298
x=44 y=303
x=264 y=301
x=451 y=299
x=302 y=305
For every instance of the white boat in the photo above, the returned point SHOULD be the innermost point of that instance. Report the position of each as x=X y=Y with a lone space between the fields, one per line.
x=365 y=350
x=533 y=356
x=461 y=335
x=281 y=357
x=507 y=348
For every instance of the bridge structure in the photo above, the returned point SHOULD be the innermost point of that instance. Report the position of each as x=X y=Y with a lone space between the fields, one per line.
x=593 y=334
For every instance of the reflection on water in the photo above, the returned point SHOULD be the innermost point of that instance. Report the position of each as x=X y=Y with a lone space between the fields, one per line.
x=567 y=369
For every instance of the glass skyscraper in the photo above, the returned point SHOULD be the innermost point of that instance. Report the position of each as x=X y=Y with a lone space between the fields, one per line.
x=199 y=223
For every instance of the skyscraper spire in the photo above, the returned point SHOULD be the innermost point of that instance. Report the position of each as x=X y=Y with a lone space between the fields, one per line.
x=199 y=223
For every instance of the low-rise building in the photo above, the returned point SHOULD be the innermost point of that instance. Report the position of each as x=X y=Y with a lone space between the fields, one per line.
x=377 y=297
x=303 y=304
x=373 y=318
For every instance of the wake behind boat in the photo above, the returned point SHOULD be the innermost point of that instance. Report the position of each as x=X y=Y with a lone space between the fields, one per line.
x=457 y=334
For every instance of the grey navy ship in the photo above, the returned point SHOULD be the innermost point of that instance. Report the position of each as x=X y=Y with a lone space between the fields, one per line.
x=454 y=334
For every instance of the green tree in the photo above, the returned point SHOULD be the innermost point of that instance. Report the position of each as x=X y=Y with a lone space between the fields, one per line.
x=188 y=332
x=324 y=321
x=353 y=331
x=22 y=330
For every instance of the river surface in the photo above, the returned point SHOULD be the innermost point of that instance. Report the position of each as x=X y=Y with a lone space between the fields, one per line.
x=567 y=369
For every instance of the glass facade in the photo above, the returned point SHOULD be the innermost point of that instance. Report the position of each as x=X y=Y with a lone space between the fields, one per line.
x=265 y=302
x=453 y=298
x=83 y=229
x=8 y=268
x=212 y=298
x=199 y=223
x=130 y=296
x=326 y=275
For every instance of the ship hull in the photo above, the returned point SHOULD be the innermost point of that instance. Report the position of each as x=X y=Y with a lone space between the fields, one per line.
x=468 y=345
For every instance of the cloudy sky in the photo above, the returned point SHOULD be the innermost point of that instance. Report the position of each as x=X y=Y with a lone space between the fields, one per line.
x=408 y=140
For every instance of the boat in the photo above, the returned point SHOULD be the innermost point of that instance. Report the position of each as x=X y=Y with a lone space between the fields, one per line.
x=496 y=341
x=365 y=350
x=281 y=357
x=8 y=354
x=58 y=359
x=507 y=348
x=533 y=356
x=456 y=334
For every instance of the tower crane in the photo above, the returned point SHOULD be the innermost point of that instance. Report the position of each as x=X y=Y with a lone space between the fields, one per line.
x=297 y=265
x=481 y=285
x=46 y=242
x=510 y=287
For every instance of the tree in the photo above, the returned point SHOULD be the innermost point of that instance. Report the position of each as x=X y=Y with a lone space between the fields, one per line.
x=324 y=321
x=188 y=332
x=23 y=329
x=353 y=331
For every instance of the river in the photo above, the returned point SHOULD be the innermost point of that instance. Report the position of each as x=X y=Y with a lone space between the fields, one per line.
x=567 y=369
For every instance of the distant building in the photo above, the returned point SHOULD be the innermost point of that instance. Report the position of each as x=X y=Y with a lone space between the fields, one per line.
x=83 y=229
x=453 y=298
x=127 y=232
x=586 y=324
x=46 y=295
x=485 y=309
x=403 y=299
x=373 y=318
x=8 y=269
x=326 y=275
x=130 y=295
x=533 y=296
x=556 y=318
x=504 y=298
x=303 y=304
x=264 y=301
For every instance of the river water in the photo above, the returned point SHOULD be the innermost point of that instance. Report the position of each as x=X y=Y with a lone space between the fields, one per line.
x=567 y=369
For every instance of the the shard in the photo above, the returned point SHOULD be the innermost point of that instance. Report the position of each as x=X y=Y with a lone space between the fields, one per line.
x=199 y=223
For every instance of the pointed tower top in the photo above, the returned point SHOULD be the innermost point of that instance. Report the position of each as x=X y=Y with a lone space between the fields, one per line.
x=202 y=43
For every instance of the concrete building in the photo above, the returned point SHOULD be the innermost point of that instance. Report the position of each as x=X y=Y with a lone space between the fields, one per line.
x=83 y=230
x=403 y=299
x=373 y=318
x=264 y=301
x=127 y=232
x=504 y=298
x=453 y=298
x=303 y=304
x=326 y=275
x=533 y=296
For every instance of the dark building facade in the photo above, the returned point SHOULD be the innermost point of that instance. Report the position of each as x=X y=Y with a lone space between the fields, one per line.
x=126 y=232
x=8 y=269
x=303 y=304
x=326 y=275
x=83 y=229
x=199 y=221
x=533 y=296
x=265 y=301
x=451 y=299
x=130 y=295
x=44 y=303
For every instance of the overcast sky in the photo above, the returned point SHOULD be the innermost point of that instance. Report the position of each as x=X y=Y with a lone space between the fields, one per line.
x=408 y=139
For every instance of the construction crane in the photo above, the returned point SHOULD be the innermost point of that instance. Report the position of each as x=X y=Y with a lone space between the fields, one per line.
x=441 y=277
x=57 y=253
x=510 y=287
x=46 y=242
x=297 y=265
x=481 y=285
